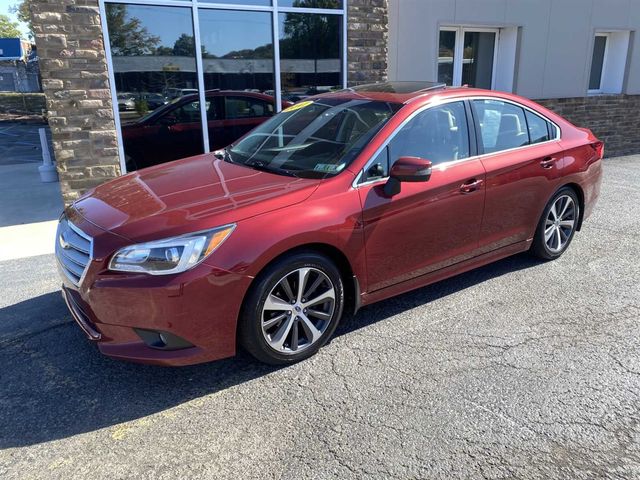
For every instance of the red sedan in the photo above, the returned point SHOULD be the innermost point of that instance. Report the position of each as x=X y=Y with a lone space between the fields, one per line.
x=339 y=201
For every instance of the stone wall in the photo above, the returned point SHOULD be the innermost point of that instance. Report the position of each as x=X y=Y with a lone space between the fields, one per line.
x=367 y=32
x=612 y=118
x=29 y=103
x=75 y=82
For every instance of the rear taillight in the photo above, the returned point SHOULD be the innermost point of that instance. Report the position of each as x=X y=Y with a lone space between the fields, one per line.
x=599 y=148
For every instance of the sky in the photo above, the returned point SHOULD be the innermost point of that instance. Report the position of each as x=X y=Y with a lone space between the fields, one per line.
x=4 y=9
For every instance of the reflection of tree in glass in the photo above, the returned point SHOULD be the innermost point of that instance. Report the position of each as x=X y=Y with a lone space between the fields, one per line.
x=183 y=47
x=127 y=35
x=311 y=36
x=264 y=51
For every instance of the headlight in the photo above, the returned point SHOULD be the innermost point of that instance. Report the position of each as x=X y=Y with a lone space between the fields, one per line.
x=171 y=255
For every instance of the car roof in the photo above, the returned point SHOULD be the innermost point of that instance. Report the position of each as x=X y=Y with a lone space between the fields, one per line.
x=407 y=92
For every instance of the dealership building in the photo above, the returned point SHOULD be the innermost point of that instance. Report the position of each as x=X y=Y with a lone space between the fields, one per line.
x=107 y=64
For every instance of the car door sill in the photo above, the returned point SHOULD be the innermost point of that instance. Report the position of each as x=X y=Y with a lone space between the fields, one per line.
x=444 y=273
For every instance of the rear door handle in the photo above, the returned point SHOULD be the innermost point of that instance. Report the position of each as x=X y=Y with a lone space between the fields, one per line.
x=470 y=186
x=547 y=162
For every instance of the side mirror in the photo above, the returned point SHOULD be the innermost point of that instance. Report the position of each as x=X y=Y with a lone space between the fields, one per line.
x=411 y=169
x=407 y=169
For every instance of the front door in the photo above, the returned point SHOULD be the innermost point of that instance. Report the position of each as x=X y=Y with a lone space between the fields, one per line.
x=428 y=225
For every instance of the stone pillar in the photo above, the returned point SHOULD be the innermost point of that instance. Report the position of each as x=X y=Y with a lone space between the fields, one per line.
x=76 y=85
x=367 y=35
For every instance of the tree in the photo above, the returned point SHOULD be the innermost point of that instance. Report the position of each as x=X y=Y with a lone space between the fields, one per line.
x=127 y=35
x=23 y=12
x=9 y=29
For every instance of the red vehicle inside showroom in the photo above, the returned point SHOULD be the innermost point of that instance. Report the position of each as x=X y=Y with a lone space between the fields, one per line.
x=339 y=201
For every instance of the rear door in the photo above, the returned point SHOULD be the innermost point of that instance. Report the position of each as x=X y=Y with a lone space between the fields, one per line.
x=523 y=161
x=428 y=225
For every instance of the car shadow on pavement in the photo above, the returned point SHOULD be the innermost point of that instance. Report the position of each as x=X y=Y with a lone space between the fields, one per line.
x=54 y=384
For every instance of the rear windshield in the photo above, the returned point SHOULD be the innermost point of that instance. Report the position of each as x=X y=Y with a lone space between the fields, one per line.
x=313 y=139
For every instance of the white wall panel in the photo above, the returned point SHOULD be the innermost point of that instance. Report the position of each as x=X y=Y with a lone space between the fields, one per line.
x=533 y=18
x=555 y=41
x=480 y=12
x=633 y=69
x=611 y=13
x=417 y=37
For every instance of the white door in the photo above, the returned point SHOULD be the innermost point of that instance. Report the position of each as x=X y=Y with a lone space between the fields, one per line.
x=467 y=56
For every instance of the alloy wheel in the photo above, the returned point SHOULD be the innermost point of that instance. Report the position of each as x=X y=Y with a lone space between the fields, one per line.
x=298 y=310
x=560 y=223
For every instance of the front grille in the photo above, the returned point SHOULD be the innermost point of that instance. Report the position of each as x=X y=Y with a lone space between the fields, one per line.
x=73 y=250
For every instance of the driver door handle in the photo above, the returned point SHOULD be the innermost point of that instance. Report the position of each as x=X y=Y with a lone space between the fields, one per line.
x=471 y=186
x=547 y=162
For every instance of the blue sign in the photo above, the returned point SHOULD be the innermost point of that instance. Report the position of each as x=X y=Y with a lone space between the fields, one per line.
x=11 y=49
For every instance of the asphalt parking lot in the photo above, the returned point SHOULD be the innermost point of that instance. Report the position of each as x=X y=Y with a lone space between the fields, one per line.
x=520 y=369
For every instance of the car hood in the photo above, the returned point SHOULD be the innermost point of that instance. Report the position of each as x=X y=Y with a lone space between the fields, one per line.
x=186 y=196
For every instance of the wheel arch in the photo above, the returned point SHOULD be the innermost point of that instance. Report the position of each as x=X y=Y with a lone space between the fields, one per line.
x=580 y=193
x=333 y=253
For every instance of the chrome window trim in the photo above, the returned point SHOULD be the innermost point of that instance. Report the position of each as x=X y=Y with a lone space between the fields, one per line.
x=444 y=165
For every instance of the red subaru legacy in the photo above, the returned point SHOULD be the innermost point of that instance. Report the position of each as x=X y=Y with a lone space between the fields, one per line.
x=339 y=201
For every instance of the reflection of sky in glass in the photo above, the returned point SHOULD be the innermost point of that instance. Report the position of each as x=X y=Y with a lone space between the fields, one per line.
x=168 y=23
x=223 y=31
x=234 y=30
x=264 y=3
x=311 y=3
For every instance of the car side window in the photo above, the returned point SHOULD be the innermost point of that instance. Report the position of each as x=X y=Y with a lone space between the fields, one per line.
x=379 y=167
x=439 y=134
x=538 y=128
x=502 y=125
x=247 y=107
x=188 y=113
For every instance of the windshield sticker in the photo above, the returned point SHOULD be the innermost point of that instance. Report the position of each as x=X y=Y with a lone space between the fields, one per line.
x=326 y=167
x=298 y=106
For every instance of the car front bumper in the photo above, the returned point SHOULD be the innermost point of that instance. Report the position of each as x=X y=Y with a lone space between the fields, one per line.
x=200 y=306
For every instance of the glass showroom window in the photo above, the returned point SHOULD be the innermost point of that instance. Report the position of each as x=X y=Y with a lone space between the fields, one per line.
x=154 y=68
x=237 y=57
x=160 y=78
x=310 y=54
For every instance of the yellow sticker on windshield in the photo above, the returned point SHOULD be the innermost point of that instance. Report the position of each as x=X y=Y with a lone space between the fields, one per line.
x=298 y=106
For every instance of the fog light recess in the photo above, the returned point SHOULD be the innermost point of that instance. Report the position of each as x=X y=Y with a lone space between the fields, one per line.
x=162 y=340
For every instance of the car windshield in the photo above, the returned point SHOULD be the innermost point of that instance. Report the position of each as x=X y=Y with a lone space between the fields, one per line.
x=313 y=139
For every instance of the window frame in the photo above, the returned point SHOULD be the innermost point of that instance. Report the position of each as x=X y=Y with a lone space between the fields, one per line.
x=357 y=183
x=458 y=51
x=607 y=44
x=528 y=113
x=195 y=6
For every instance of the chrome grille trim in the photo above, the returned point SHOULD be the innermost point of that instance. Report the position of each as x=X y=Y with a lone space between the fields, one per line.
x=80 y=317
x=74 y=251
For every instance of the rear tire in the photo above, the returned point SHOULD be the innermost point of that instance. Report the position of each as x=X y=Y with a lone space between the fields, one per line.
x=278 y=324
x=557 y=225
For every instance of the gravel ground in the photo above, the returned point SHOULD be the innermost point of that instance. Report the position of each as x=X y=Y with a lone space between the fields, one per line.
x=520 y=369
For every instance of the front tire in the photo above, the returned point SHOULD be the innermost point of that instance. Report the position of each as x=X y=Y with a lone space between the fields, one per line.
x=557 y=225
x=292 y=309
